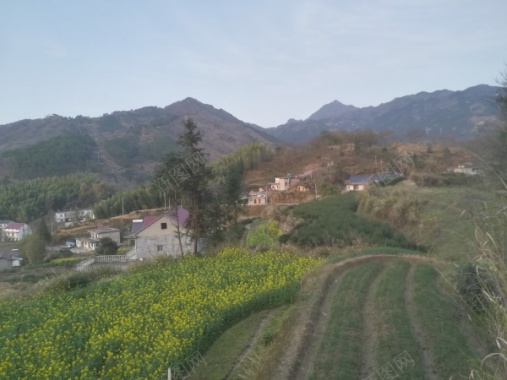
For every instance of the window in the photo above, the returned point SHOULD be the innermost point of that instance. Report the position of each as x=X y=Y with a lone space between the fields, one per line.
x=160 y=248
x=163 y=226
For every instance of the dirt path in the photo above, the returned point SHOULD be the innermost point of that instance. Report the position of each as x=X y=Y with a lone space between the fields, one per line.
x=309 y=323
x=370 y=338
x=248 y=349
x=429 y=368
x=316 y=334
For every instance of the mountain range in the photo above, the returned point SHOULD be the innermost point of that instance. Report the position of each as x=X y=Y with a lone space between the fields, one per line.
x=127 y=145
x=424 y=116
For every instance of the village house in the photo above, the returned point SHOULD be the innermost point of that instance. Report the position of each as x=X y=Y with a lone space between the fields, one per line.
x=361 y=182
x=3 y=224
x=69 y=217
x=257 y=197
x=15 y=231
x=280 y=184
x=467 y=168
x=160 y=235
x=9 y=260
x=91 y=243
x=303 y=188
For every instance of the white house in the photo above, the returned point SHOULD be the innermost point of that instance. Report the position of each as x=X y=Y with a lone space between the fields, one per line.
x=3 y=224
x=160 y=235
x=15 y=231
x=96 y=234
x=9 y=260
x=467 y=168
x=69 y=217
x=361 y=182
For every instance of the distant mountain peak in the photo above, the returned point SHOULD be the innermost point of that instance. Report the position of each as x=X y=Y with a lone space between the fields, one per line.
x=332 y=110
x=425 y=116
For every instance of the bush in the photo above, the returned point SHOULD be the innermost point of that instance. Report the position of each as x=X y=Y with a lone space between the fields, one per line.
x=60 y=254
x=264 y=236
x=445 y=179
x=333 y=222
x=106 y=246
x=77 y=280
x=234 y=233
x=473 y=282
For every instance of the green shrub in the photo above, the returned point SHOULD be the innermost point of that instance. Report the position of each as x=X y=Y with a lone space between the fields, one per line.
x=473 y=282
x=234 y=233
x=263 y=236
x=333 y=222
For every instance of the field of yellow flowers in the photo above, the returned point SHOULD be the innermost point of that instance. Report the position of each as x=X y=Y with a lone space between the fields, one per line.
x=139 y=324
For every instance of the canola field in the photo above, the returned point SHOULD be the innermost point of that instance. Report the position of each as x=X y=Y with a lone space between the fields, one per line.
x=139 y=324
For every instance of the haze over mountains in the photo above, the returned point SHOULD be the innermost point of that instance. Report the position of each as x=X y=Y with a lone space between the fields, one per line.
x=129 y=144
x=427 y=116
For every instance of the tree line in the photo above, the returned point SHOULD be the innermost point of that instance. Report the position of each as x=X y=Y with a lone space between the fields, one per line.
x=58 y=156
x=29 y=200
x=226 y=173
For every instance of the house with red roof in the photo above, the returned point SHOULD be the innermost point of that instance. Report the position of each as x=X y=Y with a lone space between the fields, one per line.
x=15 y=231
x=160 y=235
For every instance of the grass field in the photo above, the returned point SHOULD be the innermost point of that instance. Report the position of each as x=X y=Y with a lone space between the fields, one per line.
x=379 y=316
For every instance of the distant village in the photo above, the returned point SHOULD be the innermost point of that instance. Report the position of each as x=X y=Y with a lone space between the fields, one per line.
x=164 y=234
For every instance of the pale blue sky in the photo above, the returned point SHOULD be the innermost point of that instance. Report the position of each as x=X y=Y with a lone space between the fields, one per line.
x=263 y=61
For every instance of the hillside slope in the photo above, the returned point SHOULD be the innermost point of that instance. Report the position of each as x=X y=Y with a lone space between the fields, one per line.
x=421 y=117
x=130 y=143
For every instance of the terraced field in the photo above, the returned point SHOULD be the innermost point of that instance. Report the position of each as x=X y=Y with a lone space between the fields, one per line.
x=370 y=317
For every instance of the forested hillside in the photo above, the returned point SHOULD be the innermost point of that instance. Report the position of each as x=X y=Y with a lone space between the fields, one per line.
x=61 y=155
x=32 y=199
x=123 y=147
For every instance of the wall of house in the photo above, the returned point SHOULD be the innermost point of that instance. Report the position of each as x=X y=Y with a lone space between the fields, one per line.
x=147 y=247
x=155 y=240
x=356 y=187
x=113 y=235
x=17 y=235
x=5 y=264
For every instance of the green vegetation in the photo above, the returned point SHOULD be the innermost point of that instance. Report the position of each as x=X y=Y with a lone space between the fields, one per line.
x=160 y=145
x=431 y=217
x=264 y=235
x=29 y=200
x=340 y=352
x=333 y=222
x=143 y=197
x=436 y=313
x=58 y=156
x=139 y=324
x=122 y=149
x=395 y=333
x=106 y=246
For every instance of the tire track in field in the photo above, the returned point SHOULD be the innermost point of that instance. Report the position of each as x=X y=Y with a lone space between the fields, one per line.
x=316 y=335
x=300 y=345
x=428 y=365
x=248 y=349
x=370 y=336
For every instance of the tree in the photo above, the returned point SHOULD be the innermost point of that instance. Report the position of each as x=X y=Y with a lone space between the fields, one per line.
x=211 y=194
x=32 y=248
x=106 y=246
x=41 y=229
x=187 y=175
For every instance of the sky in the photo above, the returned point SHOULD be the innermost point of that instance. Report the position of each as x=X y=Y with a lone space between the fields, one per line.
x=263 y=61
